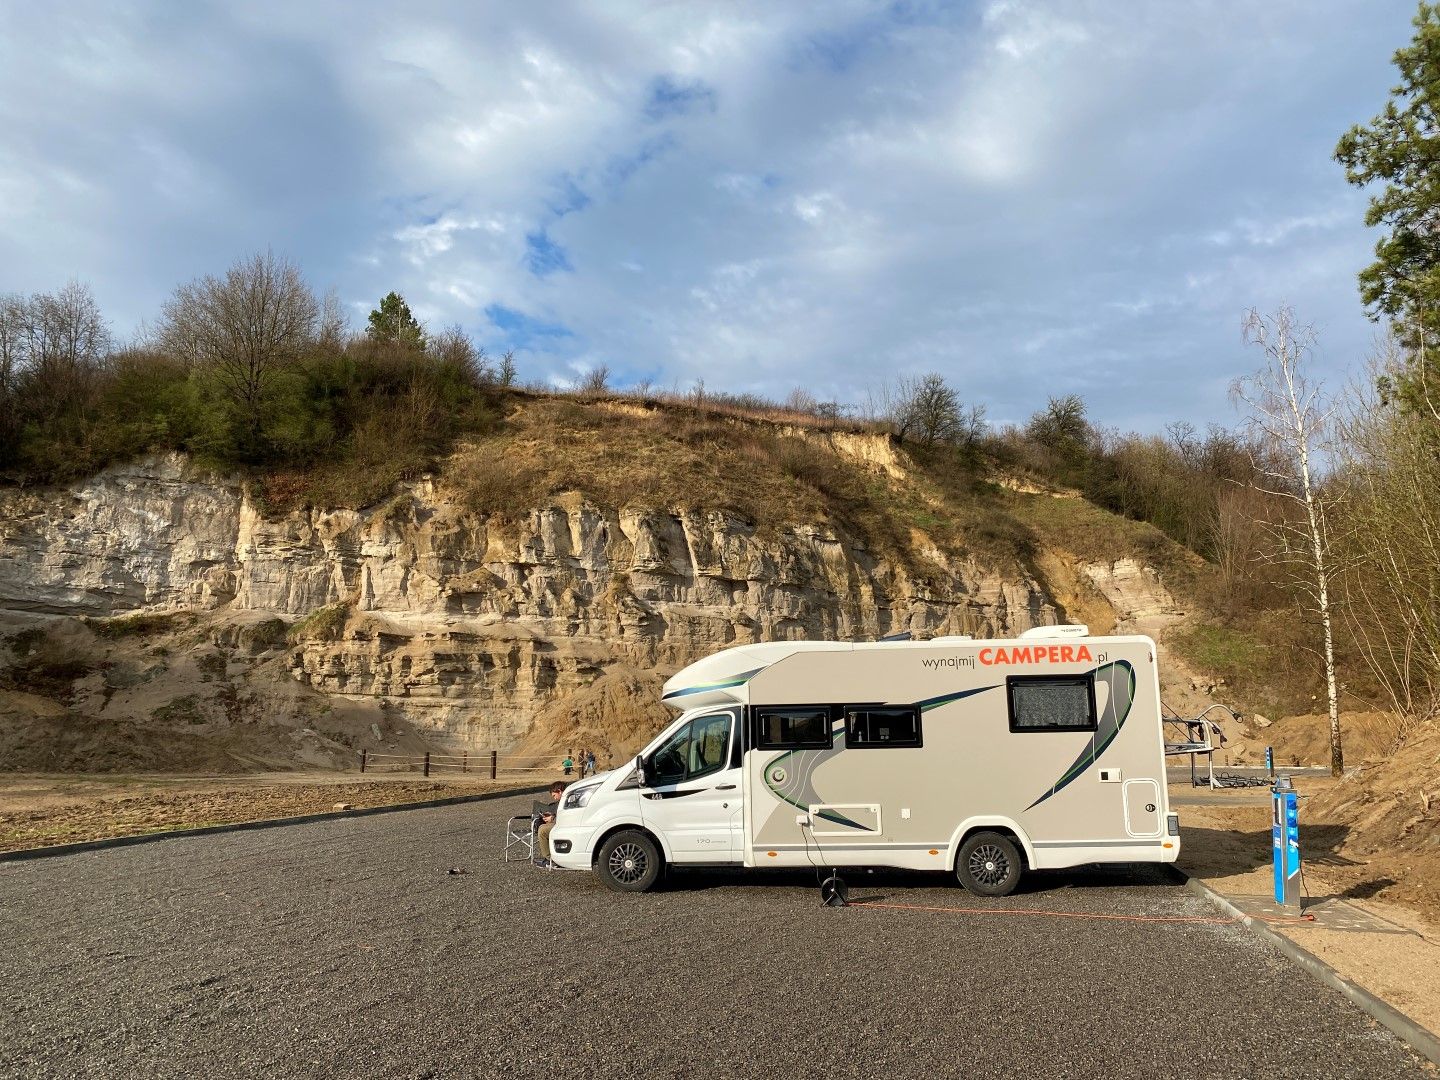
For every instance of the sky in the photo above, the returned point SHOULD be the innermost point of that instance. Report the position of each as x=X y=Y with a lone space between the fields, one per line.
x=1031 y=198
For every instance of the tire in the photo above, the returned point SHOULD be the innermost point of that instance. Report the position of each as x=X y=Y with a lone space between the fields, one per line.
x=629 y=861
x=989 y=864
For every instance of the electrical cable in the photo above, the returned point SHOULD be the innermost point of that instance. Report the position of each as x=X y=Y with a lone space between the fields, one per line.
x=805 y=835
x=1194 y=920
x=840 y=892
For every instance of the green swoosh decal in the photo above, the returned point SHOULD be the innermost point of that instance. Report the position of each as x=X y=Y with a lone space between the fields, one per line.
x=738 y=680
x=1117 y=710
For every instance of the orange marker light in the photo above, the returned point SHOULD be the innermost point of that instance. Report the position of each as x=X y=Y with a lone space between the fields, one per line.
x=933 y=851
x=772 y=854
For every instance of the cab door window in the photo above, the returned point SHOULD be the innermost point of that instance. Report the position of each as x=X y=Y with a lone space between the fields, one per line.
x=696 y=749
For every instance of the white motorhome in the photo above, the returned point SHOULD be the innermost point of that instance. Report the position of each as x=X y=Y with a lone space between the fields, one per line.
x=981 y=758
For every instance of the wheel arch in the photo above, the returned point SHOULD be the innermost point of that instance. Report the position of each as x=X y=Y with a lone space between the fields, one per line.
x=627 y=826
x=1004 y=825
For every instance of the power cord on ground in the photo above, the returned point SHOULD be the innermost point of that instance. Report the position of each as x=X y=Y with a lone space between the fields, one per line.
x=833 y=890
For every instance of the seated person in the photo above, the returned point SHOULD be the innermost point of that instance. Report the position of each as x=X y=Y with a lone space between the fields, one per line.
x=543 y=814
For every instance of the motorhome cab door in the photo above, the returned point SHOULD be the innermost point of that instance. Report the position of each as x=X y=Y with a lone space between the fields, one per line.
x=693 y=796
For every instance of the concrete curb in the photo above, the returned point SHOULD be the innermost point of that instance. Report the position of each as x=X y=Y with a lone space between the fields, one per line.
x=263 y=823
x=1424 y=1042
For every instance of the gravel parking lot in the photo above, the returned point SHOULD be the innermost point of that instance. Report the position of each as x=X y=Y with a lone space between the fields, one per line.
x=344 y=948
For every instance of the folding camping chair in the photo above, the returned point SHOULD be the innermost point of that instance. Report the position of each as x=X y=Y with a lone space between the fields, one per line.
x=520 y=838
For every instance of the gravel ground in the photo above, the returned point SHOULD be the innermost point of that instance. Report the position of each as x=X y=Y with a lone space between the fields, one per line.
x=343 y=948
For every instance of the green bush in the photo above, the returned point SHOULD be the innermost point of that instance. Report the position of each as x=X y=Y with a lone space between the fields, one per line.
x=270 y=634
x=324 y=624
x=353 y=418
x=143 y=625
x=182 y=710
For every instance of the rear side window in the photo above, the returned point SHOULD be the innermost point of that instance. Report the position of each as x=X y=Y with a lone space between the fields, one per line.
x=868 y=727
x=1051 y=702
x=793 y=727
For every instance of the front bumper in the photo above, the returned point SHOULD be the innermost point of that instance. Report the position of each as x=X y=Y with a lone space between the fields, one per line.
x=579 y=856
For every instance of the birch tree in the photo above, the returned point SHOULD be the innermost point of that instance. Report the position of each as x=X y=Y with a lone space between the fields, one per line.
x=1287 y=412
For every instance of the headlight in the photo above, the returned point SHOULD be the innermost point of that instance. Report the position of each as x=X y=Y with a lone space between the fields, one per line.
x=574 y=800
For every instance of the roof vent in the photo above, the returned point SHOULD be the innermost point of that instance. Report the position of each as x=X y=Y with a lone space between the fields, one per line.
x=1063 y=630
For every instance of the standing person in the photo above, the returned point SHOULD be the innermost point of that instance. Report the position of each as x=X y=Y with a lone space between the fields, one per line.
x=568 y=763
x=543 y=814
x=590 y=762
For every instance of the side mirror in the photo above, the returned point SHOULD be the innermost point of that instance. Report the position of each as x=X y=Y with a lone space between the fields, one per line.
x=640 y=777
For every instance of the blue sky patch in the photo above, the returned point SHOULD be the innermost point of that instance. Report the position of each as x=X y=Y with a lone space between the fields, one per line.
x=672 y=97
x=523 y=331
x=543 y=256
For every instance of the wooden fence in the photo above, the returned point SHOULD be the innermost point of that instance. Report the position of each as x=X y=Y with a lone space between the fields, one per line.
x=479 y=762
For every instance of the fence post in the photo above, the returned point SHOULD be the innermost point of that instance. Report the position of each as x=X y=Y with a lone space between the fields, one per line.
x=494 y=756
x=363 y=755
x=465 y=761
x=427 y=762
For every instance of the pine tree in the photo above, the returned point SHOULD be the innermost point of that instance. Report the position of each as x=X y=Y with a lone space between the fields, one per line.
x=392 y=322
x=1400 y=149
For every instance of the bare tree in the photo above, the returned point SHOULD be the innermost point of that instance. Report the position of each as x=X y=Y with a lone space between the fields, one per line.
x=802 y=401
x=1391 y=462
x=52 y=346
x=1288 y=413
x=452 y=346
x=334 y=324
x=1062 y=427
x=595 y=381
x=14 y=339
x=925 y=407
x=971 y=427
x=13 y=356
x=244 y=327
x=1235 y=536
x=508 y=370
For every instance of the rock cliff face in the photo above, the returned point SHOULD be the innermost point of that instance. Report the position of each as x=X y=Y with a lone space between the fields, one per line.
x=465 y=625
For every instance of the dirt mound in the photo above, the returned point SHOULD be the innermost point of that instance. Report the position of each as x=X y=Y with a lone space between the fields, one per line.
x=1388 y=812
x=1305 y=740
x=74 y=742
x=1392 y=803
x=182 y=693
x=614 y=716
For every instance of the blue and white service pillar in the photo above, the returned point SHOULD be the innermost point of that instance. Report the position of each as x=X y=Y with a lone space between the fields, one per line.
x=1285 y=842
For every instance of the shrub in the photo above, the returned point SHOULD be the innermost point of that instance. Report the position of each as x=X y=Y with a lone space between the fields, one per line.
x=182 y=710
x=270 y=634
x=49 y=669
x=324 y=624
x=142 y=625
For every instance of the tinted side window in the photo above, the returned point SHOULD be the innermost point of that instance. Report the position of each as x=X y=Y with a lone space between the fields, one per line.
x=792 y=727
x=1051 y=702
x=874 y=726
